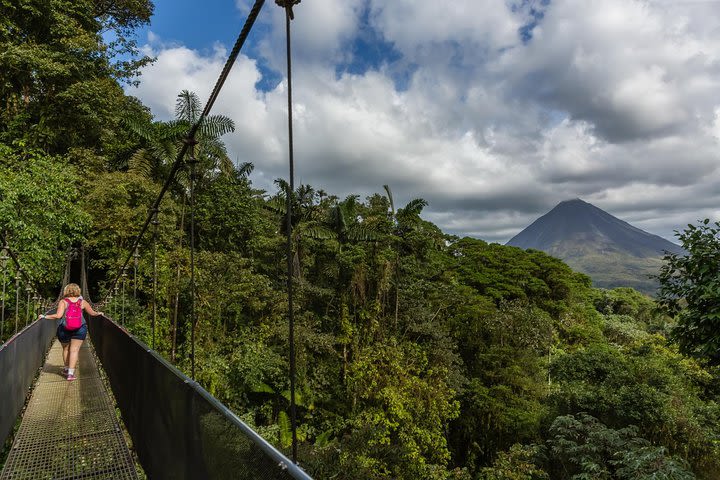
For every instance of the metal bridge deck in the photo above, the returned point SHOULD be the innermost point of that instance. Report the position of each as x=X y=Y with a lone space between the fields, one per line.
x=69 y=429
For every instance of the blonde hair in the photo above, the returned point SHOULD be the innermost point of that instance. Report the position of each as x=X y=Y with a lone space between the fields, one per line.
x=71 y=290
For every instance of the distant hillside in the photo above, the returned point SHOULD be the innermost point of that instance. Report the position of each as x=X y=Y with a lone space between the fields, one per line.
x=612 y=252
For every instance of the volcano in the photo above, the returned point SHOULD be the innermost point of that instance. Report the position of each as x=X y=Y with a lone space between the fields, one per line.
x=611 y=251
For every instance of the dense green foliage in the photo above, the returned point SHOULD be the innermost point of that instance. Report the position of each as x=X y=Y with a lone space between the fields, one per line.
x=420 y=355
x=38 y=208
x=693 y=281
x=61 y=107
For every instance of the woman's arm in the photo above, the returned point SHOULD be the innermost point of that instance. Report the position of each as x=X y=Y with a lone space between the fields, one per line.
x=58 y=314
x=89 y=309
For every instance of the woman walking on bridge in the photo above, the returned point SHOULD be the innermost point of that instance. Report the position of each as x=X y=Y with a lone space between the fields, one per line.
x=72 y=330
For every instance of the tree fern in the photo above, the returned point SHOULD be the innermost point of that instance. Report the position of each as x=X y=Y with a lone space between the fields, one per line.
x=285 y=432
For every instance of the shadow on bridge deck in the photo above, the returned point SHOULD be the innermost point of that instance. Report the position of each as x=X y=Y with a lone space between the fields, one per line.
x=69 y=429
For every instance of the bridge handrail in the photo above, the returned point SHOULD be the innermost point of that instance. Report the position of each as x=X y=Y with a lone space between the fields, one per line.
x=139 y=377
x=20 y=358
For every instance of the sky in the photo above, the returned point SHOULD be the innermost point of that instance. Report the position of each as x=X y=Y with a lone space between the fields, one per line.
x=493 y=111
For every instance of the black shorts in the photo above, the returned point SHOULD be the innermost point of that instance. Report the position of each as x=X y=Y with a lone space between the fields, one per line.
x=65 y=335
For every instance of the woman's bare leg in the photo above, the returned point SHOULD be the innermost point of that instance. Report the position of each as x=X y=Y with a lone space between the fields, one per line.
x=66 y=353
x=74 y=351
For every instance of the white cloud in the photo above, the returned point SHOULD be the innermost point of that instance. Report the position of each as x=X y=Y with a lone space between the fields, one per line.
x=614 y=101
x=416 y=28
x=630 y=68
x=176 y=68
x=318 y=31
x=715 y=128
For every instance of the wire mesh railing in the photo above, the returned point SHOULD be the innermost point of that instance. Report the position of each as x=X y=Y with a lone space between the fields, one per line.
x=178 y=429
x=20 y=358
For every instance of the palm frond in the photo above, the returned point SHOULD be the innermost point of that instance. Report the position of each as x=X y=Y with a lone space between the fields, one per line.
x=182 y=177
x=338 y=218
x=213 y=156
x=216 y=126
x=139 y=127
x=362 y=233
x=350 y=202
x=211 y=147
x=245 y=169
x=141 y=163
x=305 y=194
x=318 y=232
x=173 y=130
x=226 y=166
x=165 y=152
x=390 y=198
x=414 y=207
x=187 y=106
x=282 y=185
x=277 y=205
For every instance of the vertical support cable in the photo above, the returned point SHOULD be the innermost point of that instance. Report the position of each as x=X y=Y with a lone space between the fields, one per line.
x=287 y=5
x=192 y=162
x=84 y=289
x=136 y=256
x=28 y=289
x=115 y=305
x=66 y=275
x=17 y=299
x=124 y=281
x=4 y=259
x=155 y=222
x=36 y=305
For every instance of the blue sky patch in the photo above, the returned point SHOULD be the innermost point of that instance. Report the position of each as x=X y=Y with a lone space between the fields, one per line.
x=370 y=51
x=537 y=13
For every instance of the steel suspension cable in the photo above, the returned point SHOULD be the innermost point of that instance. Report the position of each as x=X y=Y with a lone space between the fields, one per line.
x=122 y=315
x=28 y=290
x=136 y=257
x=4 y=259
x=287 y=5
x=155 y=223
x=192 y=161
x=17 y=300
x=254 y=11
x=66 y=275
x=249 y=22
x=83 y=275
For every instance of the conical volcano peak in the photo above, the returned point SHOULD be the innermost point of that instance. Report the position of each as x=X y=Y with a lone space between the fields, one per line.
x=577 y=204
x=576 y=201
x=577 y=231
x=575 y=220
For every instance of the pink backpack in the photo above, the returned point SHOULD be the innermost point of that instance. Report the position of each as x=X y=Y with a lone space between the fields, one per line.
x=73 y=314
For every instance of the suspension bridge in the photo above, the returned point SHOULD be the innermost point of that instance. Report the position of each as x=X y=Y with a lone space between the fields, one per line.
x=128 y=405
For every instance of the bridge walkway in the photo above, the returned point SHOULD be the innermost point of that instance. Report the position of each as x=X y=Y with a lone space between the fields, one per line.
x=69 y=429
